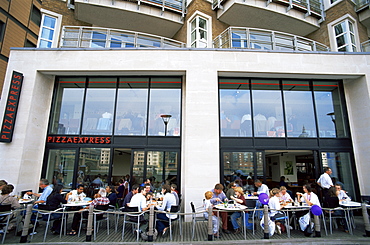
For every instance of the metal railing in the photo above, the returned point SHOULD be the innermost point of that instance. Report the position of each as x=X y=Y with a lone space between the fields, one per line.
x=174 y=5
x=251 y=38
x=361 y=4
x=94 y=37
x=365 y=46
x=306 y=5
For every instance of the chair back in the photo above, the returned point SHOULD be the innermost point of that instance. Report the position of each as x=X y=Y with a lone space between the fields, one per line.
x=192 y=207
x=131 y=209
x=5 y=207
x=174 y=209
x=102 y=207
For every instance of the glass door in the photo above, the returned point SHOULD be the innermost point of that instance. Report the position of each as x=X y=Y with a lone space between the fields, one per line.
x=60 y=168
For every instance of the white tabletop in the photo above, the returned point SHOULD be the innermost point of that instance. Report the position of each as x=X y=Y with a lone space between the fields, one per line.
x=231 y=207
x=350 y=204
x=76 y=204
x=250 y=197
x=25 y=201
x=290 y=206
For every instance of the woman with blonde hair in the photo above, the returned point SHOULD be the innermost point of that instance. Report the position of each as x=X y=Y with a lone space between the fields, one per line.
x=274 y=206
x=239 y=199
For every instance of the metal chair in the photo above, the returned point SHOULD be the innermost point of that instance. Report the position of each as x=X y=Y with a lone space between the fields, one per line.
x=5 y=215
x=174 y=210
x=99 y=217
x=132 y=216
x=195 y=219
x=48 y=214
x=330 y=213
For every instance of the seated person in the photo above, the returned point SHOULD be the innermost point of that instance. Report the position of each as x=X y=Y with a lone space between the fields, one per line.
x=175 y=193
x=111 y=194
x=128 y=197
x=332 y=201
x=284 y=195
x=52 y=203
x=282 y=182
x=168 y=201
x=139 y=201
x=230 y=190
x=219 y=197
x=207 y=203
x=99 y=199
x=342 y=195
x=76 y=195
x=121 y=189
x=275 y=206
x=310 y=198
x=239 y=198
x=6 y=199
x=47 y=189
x=2 y=184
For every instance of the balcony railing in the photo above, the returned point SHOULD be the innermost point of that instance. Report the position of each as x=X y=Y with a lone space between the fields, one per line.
x=251 y=38
x=174 y=5
x=93 y=37
x=361 y=4
x=365 y=46
x=307 y=6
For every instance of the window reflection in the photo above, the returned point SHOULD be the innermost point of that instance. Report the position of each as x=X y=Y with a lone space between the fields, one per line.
x=239 y=165
x=132 y=101
x=60 y=167
x=235 y=109
x=99 y=106
x=66 y=115
x=93 y=168
x=299 y=112
x=267 y=109
x=329 y=109
x=165 y=98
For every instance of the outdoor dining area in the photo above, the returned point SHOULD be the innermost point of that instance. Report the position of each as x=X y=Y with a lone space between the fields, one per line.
x=107 y=223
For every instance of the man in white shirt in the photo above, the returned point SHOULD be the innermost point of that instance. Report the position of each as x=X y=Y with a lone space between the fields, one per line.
x=262 y=188
x=325 y=181
x=342 y=195
x=139 y=200
x=76 y=195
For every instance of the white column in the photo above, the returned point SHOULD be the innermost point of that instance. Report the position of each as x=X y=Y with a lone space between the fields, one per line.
x=200 y=164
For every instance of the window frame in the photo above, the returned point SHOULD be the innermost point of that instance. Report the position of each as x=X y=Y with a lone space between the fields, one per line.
x=195 y=17
x=332 y=36
x=58 y=21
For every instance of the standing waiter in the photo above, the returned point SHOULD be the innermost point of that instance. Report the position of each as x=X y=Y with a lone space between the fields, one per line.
x=325 y=181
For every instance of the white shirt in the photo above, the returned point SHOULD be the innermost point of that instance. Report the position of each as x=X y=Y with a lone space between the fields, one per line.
x=325 y=181
x=312 y=197
x=263 y=189
x=138 y=200
x=168 y=201
x=342 y=194
x=285 y=197
x=76 y=197
x=274 y=203
x=206 y=205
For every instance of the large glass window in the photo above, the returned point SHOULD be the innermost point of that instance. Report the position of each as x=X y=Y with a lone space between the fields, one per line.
x=340 y=164
x=93 y=168
x=299 y=113
x=66 y=116
x=235 y=108
x=132 y=103
x=164 y=99
x=309 y=106
x=61 y=167
x=329 y=109
x=99 y=106
x=267 y=109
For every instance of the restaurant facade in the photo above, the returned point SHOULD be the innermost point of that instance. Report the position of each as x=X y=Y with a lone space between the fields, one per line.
x=270 y=114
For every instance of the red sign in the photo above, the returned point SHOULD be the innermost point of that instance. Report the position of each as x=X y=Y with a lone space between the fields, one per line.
x=78 y=140
x=7 y=128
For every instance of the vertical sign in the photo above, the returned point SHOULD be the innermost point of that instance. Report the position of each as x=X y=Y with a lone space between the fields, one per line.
x=7 y=128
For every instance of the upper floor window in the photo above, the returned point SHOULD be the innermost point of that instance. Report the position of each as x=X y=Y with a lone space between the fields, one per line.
x=200 y=31
x=343 y=35
x=49 y=30
x=36 y=15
